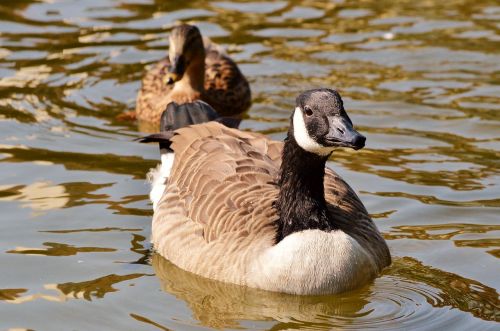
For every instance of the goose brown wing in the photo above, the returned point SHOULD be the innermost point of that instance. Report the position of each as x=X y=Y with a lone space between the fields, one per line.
x=224 y=180
x=226 y=89
x=150 y=99
x=352 y=217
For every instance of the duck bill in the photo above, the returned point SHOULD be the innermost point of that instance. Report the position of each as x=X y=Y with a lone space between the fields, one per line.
x=342 y=134
x=175 y=71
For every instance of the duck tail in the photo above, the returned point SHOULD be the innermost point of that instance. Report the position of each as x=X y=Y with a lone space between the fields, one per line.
x=179 y=116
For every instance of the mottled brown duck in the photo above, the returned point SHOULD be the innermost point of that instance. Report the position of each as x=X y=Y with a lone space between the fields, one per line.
x=195 y=69
x=238 y=207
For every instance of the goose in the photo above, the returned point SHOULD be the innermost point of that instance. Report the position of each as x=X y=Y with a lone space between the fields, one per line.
x=195 y=69
x=240 y=208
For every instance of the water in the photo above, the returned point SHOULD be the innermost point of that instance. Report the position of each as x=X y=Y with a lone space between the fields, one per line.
x=420 y=79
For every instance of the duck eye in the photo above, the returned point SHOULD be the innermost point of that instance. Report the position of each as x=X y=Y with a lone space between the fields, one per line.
x=308 y=111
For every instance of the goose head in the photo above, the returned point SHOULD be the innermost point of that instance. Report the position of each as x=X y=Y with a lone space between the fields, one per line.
x=186 y=51
x=320 y=123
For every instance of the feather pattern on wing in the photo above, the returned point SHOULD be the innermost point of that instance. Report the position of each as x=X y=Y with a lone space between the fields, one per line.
x=216 y=215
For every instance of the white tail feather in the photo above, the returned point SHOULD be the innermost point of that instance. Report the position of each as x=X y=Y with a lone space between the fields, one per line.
x=158 y=177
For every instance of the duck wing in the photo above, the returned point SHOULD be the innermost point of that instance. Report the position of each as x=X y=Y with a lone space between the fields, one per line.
x=150 y=101
x=226 y=89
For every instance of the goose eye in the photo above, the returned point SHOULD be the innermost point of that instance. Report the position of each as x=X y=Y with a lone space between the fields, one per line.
x=308 y=111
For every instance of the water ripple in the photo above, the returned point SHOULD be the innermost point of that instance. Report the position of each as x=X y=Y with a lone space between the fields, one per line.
x=419 y=79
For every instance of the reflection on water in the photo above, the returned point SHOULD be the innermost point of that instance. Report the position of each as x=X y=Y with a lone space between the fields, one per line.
x=455 y=291
x=217 y=304
x=56 y=249
x=39 y=196
x=447 y=232
x=94 y=288
x=395 y=296
x=419 y=78
x=11 y=293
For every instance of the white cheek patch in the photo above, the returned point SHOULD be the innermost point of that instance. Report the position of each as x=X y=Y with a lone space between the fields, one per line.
x=303 y=138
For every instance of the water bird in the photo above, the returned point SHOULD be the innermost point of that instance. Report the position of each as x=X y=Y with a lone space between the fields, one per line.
x=237 y=207
x=195 y=69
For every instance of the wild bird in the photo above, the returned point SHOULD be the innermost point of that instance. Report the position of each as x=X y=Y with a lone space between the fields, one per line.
x=195 y=69
x=240 y=208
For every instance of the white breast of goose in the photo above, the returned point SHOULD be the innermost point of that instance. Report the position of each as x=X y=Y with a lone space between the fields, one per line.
x=313 y=262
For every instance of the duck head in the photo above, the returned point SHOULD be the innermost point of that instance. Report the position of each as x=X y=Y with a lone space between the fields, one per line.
x=320 y=123
x=186 y=52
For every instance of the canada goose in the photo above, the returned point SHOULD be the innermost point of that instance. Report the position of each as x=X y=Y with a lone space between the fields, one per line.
x=240 y=208
x=195 y=69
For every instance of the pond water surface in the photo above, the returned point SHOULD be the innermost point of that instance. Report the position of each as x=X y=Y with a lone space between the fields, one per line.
x=420 y=78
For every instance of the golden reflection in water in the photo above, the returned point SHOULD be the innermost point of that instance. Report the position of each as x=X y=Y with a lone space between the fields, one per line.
x=27 y=77
x=11 y=293
x=96 y=288
x=146 y=320
x=39 y=196
x=44 y=196
x=57 y=249
x=431 y=200
x=482 y=243
x=221 y=305
x=19 y=299
x=107 y=229
x=447 y=232
x=374 y=160
x=458 y=292
x=130 y=165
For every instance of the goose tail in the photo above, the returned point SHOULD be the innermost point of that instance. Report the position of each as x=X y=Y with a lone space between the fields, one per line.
x=175 y=117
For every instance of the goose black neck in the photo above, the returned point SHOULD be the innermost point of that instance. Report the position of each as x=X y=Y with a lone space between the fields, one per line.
x=301 y=201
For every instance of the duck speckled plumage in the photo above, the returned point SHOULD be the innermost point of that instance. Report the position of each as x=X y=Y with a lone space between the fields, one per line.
x=201 y=70
x=223 y=212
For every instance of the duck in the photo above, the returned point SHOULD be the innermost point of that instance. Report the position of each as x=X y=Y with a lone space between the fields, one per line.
x=195 y=69
x=240 y=208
